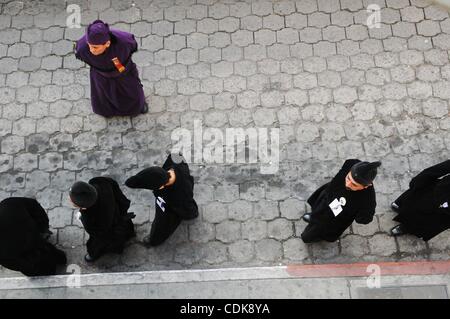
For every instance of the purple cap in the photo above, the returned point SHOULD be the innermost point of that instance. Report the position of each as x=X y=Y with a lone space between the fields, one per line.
x=97 y=33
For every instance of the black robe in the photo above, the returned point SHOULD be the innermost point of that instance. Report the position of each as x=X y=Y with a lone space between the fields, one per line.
x=359 y=207
x=107 y=222
x=22 y=248
x=424 y=207
x=174 y=203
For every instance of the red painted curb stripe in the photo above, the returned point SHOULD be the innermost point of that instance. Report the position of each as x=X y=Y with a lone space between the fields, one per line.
x=362 y=270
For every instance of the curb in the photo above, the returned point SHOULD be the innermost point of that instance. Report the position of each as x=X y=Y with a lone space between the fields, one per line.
x=292 y=271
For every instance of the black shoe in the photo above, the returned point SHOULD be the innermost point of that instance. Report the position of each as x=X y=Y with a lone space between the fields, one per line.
x=146 y=241
x=88 y=258
x=46 y=235
x=145 y=109
x=61 y=257
x=307 y=217
x=398 y=230
x=395 y=207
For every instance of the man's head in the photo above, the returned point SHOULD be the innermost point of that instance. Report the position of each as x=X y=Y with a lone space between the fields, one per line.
x=98 y=37
x=361 y=175
x=83 y=195
x=152 y=178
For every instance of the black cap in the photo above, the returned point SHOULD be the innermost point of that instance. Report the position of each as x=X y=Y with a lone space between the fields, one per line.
x=83 y=195
x=150 y=178
x=364 y=172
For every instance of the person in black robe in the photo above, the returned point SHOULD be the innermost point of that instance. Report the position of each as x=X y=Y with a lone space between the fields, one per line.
x=350 y=196
x=423 y=210
x=24 y=229
x=173 y=187
x=104 y=215
x=116 y=89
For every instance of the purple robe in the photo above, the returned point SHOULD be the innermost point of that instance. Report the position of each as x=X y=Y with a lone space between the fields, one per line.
x=114 y=93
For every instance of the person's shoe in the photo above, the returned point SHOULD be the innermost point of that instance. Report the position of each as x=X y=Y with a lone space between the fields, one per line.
x=61 y=257
x=46 y=235
x=395 y=207
x=88 y=258
x=398 y=230
x=307 y=217
x=146 y=241
x=145 y=109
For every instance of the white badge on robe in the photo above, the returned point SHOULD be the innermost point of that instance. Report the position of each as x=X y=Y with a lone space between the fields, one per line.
x=161 y=203
x=336 y=205
x=445 y=205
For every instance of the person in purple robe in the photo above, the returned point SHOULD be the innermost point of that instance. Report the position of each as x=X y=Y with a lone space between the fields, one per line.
x=116 y=89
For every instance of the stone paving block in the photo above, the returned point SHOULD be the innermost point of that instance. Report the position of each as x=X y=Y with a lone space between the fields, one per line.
x=348 y=47
x=325 y=250
x=240 y=9
x=266 y=210
x=280 y=229
x=428 y=28
x=383 y=32
x=310 y=35
x=301 y=50
x=224 y=100
x=288 y=115
x=355 y=246
x=435 y=12
x=419 y=43
x=435 y=108
x=403 y=74
x=411 y=244
x=440 y=243
x=295 y=250
x=436 y=57
x=215 y=212
x=254 y=229
x=70 y=236
x=268 y=249
x=188 y=254
x=12 y=144
x=439 y=89
x=241 y=251
x=273 y=22
x=201 y=232
x=19 y=50
x=324 y=49
x=357 y=32
x=6 y=163
x=60 y=217
x=215 y=253
x=318 y=19
x=390 y=15
x=382 y=245
x=395 y=44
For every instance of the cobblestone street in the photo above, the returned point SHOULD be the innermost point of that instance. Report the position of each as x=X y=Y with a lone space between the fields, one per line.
x=335 y=88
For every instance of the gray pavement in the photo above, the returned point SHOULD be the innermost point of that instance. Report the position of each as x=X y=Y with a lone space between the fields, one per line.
x=334 y=87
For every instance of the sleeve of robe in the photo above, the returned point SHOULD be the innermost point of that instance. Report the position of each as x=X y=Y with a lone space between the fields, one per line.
x=37 y=213
x=312 y=200
x=430 y=175
x=186 y=209
x=121 y=199
x=127 y=39
x=79 y=48
x=365 y=214
x=100 y=220
x=100 y=224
